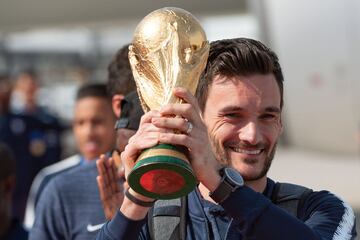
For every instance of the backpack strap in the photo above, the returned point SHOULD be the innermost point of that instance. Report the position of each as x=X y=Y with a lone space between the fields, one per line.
x=290 y=197
x=167 y=219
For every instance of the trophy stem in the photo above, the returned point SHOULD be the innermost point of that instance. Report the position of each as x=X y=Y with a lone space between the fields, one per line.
x=162 y=172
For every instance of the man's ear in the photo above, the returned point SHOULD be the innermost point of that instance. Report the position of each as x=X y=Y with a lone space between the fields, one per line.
x=116 y=104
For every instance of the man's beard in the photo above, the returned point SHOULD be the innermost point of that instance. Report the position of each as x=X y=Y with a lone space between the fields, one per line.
x=223 y=157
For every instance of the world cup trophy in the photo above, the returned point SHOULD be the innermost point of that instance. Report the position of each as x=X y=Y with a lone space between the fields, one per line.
x=169 y=50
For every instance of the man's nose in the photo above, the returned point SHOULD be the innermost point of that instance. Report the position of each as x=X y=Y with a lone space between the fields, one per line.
x=250 y=133
x=89 y=129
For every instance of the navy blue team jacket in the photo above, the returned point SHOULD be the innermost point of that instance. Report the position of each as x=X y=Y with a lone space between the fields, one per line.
x=15 y=232
x=246 y=214
x=69 y=206
x=35 y=142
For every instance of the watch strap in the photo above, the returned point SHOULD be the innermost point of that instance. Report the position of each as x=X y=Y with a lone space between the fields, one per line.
x=222 y=191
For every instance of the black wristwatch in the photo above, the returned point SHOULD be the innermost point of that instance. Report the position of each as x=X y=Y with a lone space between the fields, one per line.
x=230 y=181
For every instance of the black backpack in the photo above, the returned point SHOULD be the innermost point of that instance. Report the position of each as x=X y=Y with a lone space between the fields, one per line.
x=167 y=219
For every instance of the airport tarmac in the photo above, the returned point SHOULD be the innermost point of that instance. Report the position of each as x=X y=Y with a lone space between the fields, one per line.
x=338 y=173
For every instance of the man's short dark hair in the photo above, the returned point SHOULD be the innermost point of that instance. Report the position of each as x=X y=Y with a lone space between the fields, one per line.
x=238 y=57
x=120 y=77
x=92 y=90
x=7 y=162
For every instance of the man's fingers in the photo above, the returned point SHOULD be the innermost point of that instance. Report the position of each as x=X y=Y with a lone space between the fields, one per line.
x=189 y=110
x=108 y=176
x=176 y=139
x=101 y=186
x=179 y=124
x=146 y=118
x=101 y=166
x=135 y=146
x=114 y=169
x=184 y=94
x=113 y=180
x=105 y=199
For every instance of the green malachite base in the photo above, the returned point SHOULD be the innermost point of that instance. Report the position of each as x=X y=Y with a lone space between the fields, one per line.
x=162 y=172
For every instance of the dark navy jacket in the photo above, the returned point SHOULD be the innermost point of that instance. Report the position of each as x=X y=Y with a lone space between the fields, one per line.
x=246 y=215
x=69 y=206
x=15 y=232
x=35 y=142
x=42 y=179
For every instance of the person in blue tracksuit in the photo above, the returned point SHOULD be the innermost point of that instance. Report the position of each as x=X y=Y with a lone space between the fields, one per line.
x=231 y=131
x=93 y=131
x=120 y=82
x=69 y=206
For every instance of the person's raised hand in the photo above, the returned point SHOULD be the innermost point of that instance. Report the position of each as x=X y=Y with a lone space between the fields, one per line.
x=111 y=185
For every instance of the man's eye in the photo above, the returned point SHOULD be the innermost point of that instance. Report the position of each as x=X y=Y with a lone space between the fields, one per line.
x=78 y=123
x=268 y=116
x=232 y=115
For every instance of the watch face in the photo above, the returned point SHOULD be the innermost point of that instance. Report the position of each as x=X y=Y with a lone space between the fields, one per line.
x=234 y=176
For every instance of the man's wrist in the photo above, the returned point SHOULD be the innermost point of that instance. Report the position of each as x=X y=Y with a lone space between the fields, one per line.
x=137 y=200
x=132 y=210
x=214 y=181
x=230 y=181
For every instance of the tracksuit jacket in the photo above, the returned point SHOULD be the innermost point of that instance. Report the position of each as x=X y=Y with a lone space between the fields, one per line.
x=246 y=215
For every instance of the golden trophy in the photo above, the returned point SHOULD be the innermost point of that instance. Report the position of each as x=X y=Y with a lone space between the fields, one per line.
x=169 y=50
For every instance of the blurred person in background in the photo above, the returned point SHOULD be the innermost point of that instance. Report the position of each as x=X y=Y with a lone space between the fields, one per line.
x=10 y=228
x=45 y=139
x=73 y=198
x=24 y=101
x=120 y=78
x=24 y=97
x=78 y=187
x=93 y=132
x=35 y=143
x=93 y=122
x=120 y=82
x=111 y=180
x=31 y=133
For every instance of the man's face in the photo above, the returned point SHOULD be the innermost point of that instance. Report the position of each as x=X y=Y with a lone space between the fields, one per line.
x=94 y=126
x=122 y=139
x=123 y=136
x=243 y=118
x=28 y=86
